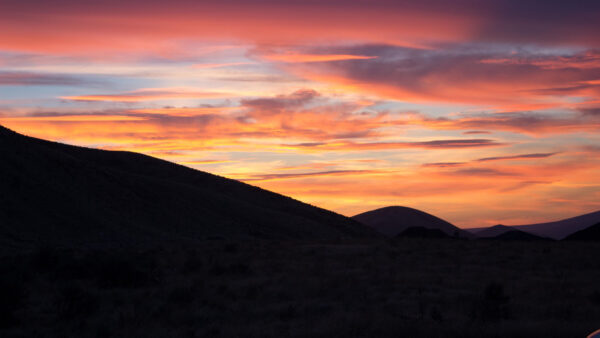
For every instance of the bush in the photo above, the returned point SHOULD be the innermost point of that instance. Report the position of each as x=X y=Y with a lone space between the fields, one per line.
x=12 y=294
x=113 y=271
x=45 y=259
x=73 y=301
x=595 y=297
x=181 y=296
x=192 y=264
x=494 y=303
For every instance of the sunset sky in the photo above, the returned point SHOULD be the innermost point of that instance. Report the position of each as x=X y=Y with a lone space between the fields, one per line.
x=479 y=112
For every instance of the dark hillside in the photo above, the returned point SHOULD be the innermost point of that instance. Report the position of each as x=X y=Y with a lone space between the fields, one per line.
x=57 y=194
x=588 y=234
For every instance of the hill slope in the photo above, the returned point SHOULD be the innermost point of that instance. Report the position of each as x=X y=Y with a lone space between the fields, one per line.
x=563 y=228
x=492 y=231
x=588 y=234
x=393 y=220
x=516 y=235
x=58 y=194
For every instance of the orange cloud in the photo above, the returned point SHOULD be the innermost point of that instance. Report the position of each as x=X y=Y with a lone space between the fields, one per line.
x=220 y=65
x=303 y=58
x=270 y=177
x=433 y=144
x=519 y=122
x=205 y=162
x=70 y=118
x=149 y=94
x=460 y=75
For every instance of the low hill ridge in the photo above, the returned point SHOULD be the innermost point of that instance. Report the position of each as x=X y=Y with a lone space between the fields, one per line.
x=588 y=234
x=393 y=220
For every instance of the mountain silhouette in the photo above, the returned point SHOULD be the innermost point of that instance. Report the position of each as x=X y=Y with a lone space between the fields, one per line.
x=422 y=232
x=563 y=228
x=492 y=231
x=588 y=234
x=393 y=220
x=555 y=230
x=62 y=195
x=501 y=231
x=515 y=235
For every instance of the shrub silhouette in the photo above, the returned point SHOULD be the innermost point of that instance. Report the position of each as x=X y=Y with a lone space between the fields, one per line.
x=114 y=271
x=12 y=294
x=595 y=297
x=45 y=259
x=181 y=296
x=494 y=303
x=192 y=264
x=74 y=301
x=436 y=315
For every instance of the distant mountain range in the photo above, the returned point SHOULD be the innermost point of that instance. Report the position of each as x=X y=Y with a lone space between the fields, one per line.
x=503 y=232
x=61 y=195
x=490 y=232
x=395 y=220
x=588 y=234
x=392 y=221
x=556 y=230
x=517 y=235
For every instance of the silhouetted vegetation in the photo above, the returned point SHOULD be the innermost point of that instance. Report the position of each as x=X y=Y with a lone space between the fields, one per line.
x=494 y=303
x=12 y=293
x=422 y=232
x=401 y=287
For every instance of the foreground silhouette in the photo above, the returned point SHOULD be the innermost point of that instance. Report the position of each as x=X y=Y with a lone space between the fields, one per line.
x=402 y=287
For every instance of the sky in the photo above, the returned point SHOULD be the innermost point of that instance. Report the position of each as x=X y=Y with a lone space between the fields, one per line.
x=479 y=112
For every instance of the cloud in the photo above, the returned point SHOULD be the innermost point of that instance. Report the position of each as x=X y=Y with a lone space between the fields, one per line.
x=259 y=78
x=516 y=157
x=519 y=122
x=434 y=144
x=72 y=118
x=149 y=94
x=476 y=132
x=462 y=74
x=205 y=161
x=484 y=171
x=480 y=172
x=443 y=164
x=304 y=116
x=267 y=177
x=466 y=143
x=38 y=79
x=305 y=58
x=593 y=112
x=82 y=27
x=220 y=65
x=294 y=100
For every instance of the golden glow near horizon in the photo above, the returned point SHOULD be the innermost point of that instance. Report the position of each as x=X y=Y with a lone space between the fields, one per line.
x=467 y=113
